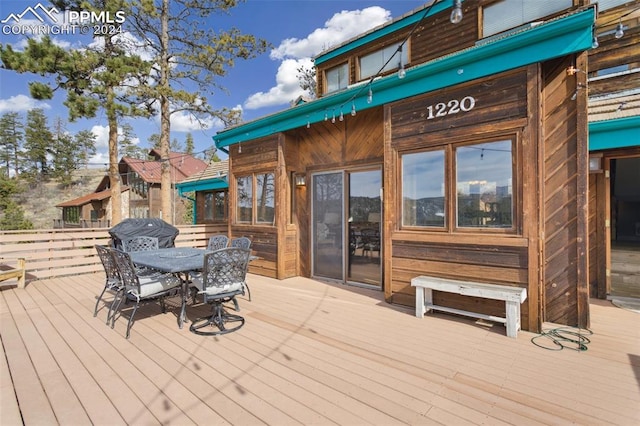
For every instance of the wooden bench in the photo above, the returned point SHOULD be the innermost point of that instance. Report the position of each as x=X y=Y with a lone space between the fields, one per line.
x=512 y=296
x=7 y=272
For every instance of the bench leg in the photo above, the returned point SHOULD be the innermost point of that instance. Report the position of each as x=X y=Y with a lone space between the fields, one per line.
x=21 y=266
x=424 y=297
x=419 y=302
x=513 y=318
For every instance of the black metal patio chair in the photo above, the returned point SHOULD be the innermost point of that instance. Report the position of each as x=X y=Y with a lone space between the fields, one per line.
x=217 y=242
x=140 y=243
x=142 y=286
x=222 y=279
x=245 y=243
x=112 y=282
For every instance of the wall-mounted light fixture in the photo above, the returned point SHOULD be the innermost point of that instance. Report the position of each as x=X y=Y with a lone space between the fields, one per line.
x=595 y=163
x=301 y=180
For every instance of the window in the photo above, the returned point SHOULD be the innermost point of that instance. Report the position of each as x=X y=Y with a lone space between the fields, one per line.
x=245 y=199
x=608 y=4
x=481 y=194
x=423 y=189
x=71 y=214
x=265 y=198
x=373 y=63
x=215 y=206
x=506 y=14
x=256 y=199
x=337 y=78
x=484 y=174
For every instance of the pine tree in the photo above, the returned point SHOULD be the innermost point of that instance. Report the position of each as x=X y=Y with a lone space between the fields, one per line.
x=37 y=143
x=105 y=75
x=11 y=136
x=127 y=145
x=85 y=140
x=188 y=144
x=187 y=48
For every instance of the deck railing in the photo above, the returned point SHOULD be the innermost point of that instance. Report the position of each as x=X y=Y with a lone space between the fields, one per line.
x=62 y=252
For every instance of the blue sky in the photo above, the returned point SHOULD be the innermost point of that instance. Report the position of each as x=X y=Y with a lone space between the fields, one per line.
x=297 y=29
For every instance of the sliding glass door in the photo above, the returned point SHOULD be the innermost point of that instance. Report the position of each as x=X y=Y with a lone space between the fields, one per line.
x=327 y=228
x=346 y=226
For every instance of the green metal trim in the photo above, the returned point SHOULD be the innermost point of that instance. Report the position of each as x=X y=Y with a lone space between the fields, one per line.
x=560 y=37
x=616 y=133
x=383 y=32
x=202 y=185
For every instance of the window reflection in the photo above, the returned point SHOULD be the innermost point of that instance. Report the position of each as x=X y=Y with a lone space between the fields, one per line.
x=337 y=78
x=484 y=176
x=265 y=198
x=423 y=195
x=244 y=199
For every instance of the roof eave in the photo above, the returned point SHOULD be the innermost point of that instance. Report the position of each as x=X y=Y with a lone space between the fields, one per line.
x=558 y=37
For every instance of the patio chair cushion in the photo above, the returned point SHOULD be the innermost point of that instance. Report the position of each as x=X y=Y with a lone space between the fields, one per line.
x=153 y=283
x=196 y=281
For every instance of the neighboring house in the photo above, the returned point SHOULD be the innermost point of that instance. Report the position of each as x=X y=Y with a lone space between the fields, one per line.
x=208 y=190
x=89 y=211
x=141 y=190
x=612 y=80
x=454 y=150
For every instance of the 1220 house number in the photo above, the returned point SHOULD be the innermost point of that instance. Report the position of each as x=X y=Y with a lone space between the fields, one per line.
x=454 y=106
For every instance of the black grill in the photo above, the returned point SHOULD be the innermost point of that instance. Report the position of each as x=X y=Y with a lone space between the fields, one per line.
x=129 y=228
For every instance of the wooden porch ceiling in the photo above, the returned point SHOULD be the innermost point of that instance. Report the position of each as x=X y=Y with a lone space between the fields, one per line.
x=309 y=353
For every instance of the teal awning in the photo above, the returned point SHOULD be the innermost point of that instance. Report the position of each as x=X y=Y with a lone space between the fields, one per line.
x=202 y=185
x=617 y=133
x=559 y=37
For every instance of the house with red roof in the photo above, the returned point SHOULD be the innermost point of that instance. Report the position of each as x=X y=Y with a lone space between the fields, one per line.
x=140 y=192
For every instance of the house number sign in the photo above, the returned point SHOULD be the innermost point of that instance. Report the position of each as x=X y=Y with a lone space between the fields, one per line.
x=454 y=106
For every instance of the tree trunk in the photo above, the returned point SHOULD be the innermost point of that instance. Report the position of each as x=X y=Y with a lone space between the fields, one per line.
x=165 y=118
x=114 y=174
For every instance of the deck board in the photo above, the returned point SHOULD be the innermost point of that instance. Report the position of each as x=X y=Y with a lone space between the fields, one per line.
x=309 y=353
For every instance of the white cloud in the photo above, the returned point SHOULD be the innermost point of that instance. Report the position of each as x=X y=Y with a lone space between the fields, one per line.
x=295 y=52
x=286 y=89
x=340 y=27
x=102 y=136
x=20 y=103
x=186 y=122
x=101 y=159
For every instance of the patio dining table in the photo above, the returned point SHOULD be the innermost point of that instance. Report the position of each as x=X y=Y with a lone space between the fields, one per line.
x=181 y=261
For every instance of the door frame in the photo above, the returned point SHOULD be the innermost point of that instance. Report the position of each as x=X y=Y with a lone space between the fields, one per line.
x=346 y=172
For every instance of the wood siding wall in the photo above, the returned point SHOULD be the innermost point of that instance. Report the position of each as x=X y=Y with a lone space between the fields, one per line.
x=565 y=203
x=260 y=156
x=597 y=236
x=356 y=142
x=502 y=108
x=433 y=38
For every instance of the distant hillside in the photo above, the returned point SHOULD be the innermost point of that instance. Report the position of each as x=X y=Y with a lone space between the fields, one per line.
x=39 y=201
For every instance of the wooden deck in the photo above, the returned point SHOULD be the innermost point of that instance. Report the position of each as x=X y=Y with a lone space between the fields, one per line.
x=309 y=353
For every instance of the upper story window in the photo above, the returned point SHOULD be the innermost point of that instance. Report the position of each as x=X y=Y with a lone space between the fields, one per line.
x=479 y=191
x=336 y=78
x=383 y=60
x=608 y=4
x=255 y=202
x=506 y=14
x=215 y=206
